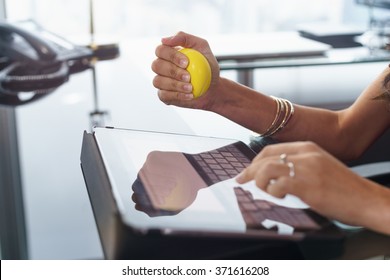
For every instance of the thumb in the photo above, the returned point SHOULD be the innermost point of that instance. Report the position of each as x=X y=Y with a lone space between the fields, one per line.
x=185 y=40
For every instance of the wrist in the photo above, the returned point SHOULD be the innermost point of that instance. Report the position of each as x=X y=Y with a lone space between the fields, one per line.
x=241 y=105
x=218 y=96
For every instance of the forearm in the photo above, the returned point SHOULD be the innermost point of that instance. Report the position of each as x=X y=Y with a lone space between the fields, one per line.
x=346 y=134
x=243 y=105
x=376 y=213
x=256 y=112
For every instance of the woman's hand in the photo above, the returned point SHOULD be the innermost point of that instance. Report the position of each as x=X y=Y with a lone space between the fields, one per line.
x=172 y=79
x=324 y=183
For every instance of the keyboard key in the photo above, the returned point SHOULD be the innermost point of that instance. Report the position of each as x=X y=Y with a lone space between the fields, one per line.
x=255 y=211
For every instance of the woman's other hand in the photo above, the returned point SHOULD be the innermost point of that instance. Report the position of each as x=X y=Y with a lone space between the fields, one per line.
x=328 y=186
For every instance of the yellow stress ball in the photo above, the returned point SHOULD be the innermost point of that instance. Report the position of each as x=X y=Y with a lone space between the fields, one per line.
x=200 y=71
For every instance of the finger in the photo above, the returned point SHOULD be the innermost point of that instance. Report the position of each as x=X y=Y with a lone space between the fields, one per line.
x=172 y=55
x=291 y=148
x=276 y=150
x=263 y=171
x=280 y=187
x=271 y=172
x=186 y=40
x=174 y=98
x=168 y=84
x=167 y=69
x=189 y=41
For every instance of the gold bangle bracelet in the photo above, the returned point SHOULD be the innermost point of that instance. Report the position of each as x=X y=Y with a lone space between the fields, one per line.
x=278 y=118
x=291 y=113
x=274 y=122
x=287 y=117
x=280 y=122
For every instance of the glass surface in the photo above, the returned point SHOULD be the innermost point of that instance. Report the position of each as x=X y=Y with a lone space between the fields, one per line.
x=159 y=182
x=126 y=153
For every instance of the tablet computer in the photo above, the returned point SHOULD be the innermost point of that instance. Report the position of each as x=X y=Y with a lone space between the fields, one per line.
x=161 y=195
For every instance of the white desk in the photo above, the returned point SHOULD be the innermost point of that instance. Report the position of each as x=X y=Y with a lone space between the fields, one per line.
x=283 y=49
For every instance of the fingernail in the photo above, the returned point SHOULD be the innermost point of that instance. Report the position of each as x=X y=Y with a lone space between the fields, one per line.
x=239 y=177
x=187 y=87
x=188 y=96
x=183 y=63
x=185 y=78
x=167 y=38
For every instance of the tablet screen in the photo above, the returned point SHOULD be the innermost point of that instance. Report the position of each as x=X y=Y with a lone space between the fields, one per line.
x=126 y=152
x=177 y=182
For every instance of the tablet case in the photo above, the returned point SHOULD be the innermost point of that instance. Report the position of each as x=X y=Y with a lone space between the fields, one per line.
x=119 y=241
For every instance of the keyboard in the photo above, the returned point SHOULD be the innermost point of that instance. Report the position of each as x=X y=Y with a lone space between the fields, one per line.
x=220 y=164
x=255 y=211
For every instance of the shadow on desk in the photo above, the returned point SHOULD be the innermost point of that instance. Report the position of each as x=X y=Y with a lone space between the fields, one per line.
x=366 y=245
x=358 y=246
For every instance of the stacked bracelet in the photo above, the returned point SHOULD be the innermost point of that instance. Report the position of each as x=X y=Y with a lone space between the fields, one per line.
x=284 y=112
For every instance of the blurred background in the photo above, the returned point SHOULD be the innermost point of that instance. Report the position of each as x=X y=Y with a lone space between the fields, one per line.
x=58 y=215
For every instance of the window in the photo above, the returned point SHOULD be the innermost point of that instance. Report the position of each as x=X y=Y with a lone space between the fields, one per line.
x=142 y=18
